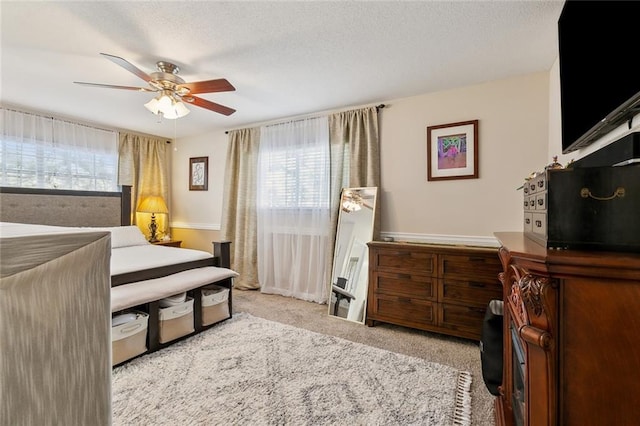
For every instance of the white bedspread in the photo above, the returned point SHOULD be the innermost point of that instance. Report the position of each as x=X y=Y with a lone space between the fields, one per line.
x=130 y=258
x=137 y=258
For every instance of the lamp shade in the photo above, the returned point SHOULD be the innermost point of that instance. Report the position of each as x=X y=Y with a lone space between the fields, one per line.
x=152 y=204
x=152 y=106
x=175 y=110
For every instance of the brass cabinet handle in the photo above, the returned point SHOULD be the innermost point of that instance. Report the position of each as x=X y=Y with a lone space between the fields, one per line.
x=586 y=193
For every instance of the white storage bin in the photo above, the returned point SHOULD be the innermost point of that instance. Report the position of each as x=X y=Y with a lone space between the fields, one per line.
x=176 y=321
x=128 y=338
x=174 y=300
x=215 y=304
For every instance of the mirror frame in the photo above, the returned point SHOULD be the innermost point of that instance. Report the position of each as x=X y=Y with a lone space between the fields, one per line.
x=356 y=250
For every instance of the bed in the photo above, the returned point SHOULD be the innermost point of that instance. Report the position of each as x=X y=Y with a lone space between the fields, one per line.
x=141 y=274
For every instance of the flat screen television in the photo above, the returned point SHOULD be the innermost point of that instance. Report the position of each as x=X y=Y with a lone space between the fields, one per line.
x=599 y=43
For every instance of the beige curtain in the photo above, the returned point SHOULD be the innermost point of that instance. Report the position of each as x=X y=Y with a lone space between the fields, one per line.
x=239 y=220
x=355 y=162
x=359 y=130
x=144 y=164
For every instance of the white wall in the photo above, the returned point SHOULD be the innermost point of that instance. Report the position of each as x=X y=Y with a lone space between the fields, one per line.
x=513 y=119
x=513 y=129
x=196 y=214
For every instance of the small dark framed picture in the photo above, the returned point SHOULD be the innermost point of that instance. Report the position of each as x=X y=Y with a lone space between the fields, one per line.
x=198 y=173
x=452 y=151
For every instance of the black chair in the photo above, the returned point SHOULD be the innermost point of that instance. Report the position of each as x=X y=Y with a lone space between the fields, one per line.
x=341 y=294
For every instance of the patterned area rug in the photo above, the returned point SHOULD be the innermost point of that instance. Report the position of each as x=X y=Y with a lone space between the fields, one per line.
x=252 y=371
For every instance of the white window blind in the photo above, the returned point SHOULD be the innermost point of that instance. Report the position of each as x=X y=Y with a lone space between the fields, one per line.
x=43 y=152
x=294 y=178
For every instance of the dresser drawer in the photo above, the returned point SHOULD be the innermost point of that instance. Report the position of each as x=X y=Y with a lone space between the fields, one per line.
x=405 y=260
x=433 y=287
x=528 y=222
x=482 y=268
x=540 y=224
x=409 y=285
x=465 y=320
x=406 y=310
x=541 y=201
x=470 y=293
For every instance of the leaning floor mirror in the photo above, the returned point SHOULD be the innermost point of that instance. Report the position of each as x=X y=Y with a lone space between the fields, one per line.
x=350 y=274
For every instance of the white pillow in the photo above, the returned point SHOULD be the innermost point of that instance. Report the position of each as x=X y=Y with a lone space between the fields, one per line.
x=125 y=236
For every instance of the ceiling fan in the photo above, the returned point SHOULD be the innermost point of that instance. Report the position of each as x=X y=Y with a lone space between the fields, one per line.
x=173 y=90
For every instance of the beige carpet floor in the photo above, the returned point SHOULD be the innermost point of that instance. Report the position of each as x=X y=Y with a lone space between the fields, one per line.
x=459 y=353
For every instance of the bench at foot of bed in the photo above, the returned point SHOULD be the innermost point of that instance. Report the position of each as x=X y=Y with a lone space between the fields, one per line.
x=142 y=324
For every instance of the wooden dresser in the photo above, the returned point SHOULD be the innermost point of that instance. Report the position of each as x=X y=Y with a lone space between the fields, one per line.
x=441 y=288
x=571 y=336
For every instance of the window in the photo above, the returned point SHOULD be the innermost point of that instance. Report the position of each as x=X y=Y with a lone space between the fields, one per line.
x=43 y=152
x=294 y=209
x=294 y=170
x=294 y=178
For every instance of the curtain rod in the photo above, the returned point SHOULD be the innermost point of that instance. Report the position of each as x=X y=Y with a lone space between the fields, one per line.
x=49 y=117
x=378 y=108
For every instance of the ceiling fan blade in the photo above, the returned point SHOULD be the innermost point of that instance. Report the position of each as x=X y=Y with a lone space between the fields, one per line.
x=203 y=103
x=111 y=86
x=209 y=86
x=128 y=66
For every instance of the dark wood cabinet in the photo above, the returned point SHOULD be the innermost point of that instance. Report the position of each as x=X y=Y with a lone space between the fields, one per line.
x=441 y=288
x=571 y=336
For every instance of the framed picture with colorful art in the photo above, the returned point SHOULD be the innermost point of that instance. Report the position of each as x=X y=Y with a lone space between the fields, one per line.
x=452 y=151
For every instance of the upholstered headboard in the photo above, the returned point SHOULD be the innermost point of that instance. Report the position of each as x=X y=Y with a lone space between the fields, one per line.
x=64 y=207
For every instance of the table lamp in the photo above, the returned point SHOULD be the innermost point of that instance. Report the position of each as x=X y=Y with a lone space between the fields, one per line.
x=153 y=204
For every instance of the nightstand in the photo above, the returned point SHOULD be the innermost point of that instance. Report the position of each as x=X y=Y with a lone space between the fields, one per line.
x=170 y=243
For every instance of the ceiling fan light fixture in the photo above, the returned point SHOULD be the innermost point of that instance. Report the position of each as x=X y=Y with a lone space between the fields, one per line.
x=152 y=106
x=181 y=109
x=167 y=105
x=175 y=110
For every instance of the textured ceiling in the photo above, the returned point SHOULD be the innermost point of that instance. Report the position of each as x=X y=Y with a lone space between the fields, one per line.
x=284 y=58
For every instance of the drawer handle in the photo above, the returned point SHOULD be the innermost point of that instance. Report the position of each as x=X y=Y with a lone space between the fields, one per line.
x=476 y=284
x=538 y=224
x=540 y=183
x=540 y=202
x=586 y=193
x=527 y=221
